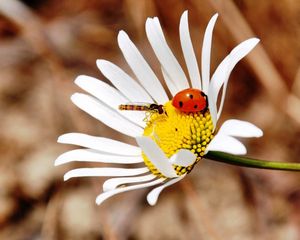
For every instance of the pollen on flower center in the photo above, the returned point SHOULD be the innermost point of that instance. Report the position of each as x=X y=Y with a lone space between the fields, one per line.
x=175 y=130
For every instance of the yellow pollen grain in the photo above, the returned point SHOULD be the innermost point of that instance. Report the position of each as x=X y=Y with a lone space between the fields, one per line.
x=177 y=130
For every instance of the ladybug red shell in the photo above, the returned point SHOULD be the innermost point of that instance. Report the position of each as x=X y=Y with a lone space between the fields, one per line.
x=190 y=100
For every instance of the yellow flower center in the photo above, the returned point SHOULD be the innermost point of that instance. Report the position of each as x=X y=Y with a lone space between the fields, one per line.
x=175 y=130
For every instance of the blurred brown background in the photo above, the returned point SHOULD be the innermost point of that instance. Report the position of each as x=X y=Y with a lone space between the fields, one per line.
x=44 y=45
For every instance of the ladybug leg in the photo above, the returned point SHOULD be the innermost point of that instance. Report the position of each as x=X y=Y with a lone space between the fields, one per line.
x=206 y=101
x=204 y=110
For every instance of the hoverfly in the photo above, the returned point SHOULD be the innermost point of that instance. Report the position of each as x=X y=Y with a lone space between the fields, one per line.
x=148 y=108
x=151 y=107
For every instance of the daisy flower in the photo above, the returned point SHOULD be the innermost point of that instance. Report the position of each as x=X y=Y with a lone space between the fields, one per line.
x=170 y=141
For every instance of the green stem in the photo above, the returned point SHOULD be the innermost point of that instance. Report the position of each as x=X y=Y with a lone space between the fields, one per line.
x=252 y=163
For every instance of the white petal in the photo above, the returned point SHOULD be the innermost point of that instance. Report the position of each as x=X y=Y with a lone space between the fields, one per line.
x=164 y=54
x=113 y=183
x=156 y=156
x=226 y=144
x=141 y=68
x=212 y=105
x=206 y=50
x=101 y=90
x=171 y=85
x=106 y=115
x=154 y=194
x=213 y=94
x=103 y=196
x=91 y=155
x=100 y=143
x=236 y=55
x=183 y=158
x=222 y=99
x=188 y=51
x=238 y=128
x=122 y=81
x=219 y=77
x=110 y=96
x=104 y=172
x=223 y=71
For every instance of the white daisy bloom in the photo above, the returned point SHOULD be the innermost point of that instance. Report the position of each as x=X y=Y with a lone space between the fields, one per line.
x=169 y=143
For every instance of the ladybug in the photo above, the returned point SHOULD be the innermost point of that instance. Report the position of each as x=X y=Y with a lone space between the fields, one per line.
x=190 y=100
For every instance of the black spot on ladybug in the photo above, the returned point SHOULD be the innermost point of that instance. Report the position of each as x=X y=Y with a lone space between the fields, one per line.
x=196 y=106
x=176 y=129
x=180 y=104
x=191 y=96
